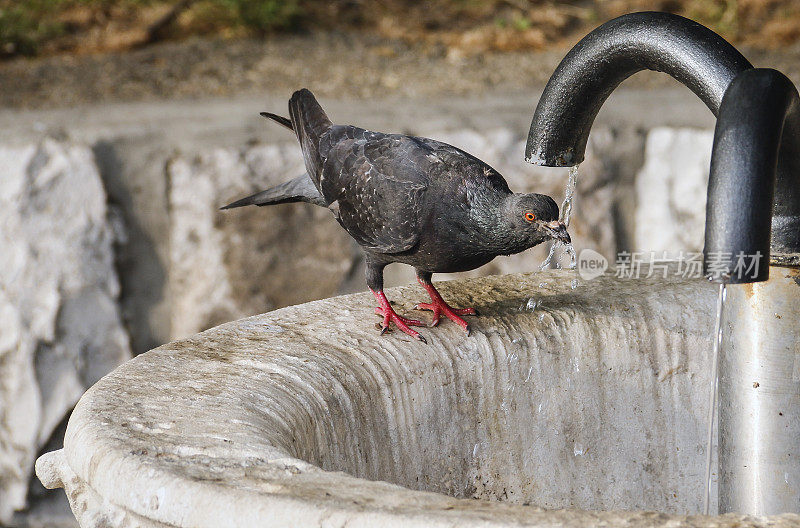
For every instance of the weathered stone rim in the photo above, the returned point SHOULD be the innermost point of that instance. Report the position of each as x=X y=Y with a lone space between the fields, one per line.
x=316 y=497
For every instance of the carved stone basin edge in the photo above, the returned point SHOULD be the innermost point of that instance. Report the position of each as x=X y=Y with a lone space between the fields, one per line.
x=254 y=422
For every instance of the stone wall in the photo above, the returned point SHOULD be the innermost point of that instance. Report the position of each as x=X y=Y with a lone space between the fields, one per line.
x=60 y=325
x=112 y=241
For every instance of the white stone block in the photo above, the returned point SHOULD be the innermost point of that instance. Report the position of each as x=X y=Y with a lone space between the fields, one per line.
x=671 y=190
x=60 y=328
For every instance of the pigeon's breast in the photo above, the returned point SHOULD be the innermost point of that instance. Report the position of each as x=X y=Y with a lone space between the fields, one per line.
x=442 y=257
x=447 y=246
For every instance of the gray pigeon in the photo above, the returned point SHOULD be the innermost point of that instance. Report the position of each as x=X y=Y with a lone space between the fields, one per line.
x=409 y=199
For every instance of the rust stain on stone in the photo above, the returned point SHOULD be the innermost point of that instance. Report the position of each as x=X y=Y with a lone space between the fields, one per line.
x=794 y=273
x=749 y=289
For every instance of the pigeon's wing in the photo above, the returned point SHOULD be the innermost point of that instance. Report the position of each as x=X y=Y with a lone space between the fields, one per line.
x=376 y=186
x=470 y=167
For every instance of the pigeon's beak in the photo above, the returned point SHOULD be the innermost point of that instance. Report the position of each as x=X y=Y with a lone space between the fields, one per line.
x=558 y=231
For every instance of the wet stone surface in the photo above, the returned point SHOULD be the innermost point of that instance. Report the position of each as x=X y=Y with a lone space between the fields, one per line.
x=595 y=399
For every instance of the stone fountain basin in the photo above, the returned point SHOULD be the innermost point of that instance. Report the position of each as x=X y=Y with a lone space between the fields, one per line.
x=573 y=403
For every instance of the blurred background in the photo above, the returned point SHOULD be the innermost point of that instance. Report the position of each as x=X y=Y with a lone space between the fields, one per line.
x=126 y=124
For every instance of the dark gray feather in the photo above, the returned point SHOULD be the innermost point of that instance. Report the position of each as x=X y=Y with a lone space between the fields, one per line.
x=283 y=121
x=300 y=189
x=309 y=123
x=378 y=182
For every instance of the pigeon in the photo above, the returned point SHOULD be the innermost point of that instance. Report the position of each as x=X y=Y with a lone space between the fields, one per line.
x=411 y=200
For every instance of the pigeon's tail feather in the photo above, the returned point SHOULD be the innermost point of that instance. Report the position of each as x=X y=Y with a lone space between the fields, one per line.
x=306 y=112
x=310 y=123
x=300 y=189
x=279 y=119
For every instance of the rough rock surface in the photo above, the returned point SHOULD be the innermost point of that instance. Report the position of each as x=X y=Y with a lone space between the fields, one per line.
x=60 y=328
x=226 y=264
x=132 y=167
x=671 y=190
x=592 y=398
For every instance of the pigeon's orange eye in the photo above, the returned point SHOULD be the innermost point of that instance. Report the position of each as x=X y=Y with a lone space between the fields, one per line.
x=530 y=217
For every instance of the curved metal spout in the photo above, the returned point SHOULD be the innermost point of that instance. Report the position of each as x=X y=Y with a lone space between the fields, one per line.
x=686 y=50
x=759 y=110
x=751 y=141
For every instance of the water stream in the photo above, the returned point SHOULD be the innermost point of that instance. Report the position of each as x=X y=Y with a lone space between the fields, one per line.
x=566 y=214
x=712 y=399
x=569 y=193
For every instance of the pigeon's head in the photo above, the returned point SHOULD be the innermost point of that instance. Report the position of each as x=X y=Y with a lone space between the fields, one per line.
x=534 y=218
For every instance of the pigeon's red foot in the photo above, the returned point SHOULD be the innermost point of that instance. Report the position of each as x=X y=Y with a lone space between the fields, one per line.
x=438 y=306
x=390 y=316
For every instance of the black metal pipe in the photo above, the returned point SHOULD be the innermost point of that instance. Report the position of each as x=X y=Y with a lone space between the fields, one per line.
x=757 y=135
x=756 y=132
x=686 y=50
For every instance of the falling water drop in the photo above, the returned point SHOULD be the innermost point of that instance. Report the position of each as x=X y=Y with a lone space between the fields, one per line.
x=569 y=249
x=713 y=395
x=566 y=214
x=546 y=262
x=569 y=193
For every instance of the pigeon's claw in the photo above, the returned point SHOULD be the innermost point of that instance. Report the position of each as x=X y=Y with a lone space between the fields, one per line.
x=439 y=307
x=449 y=312
x=390 y=316
x=404 y=320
